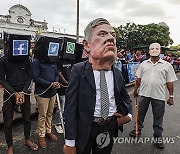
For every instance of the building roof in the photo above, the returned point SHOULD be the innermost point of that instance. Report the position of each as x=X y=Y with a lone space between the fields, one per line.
x=20 y=6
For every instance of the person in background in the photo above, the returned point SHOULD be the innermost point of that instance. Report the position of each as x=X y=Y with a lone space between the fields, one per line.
x=137 y=56
x=97 y=103
x=175 y=63
x=145 y=56
x=153 y=77
x=117 y=61
x=61 y=93
x=168 y=58
x=45 y=77
x=129 y=56
x=32 y=50
x=122 y=56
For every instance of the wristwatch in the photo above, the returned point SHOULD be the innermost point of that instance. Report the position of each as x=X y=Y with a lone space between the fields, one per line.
x=171 y=96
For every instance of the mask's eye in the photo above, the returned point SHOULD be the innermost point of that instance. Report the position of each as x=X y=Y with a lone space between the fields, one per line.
x=154 y=48
x=102 y=33
x=113 y=34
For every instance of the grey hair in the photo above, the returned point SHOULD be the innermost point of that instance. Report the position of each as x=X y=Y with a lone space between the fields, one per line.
x=92 y=25
x=152 y=44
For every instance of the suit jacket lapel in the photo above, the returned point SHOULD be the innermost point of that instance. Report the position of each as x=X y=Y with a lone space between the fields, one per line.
x=116 y=84
x=89 y=75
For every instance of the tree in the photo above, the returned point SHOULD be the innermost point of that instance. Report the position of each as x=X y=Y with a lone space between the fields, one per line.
x=132 y=35
x=175 y=48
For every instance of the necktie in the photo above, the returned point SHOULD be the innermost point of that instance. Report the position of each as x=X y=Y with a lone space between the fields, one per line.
x=104 y=96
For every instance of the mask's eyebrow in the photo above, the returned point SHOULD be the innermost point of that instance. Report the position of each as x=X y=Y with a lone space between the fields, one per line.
x=155 y=48
x=106 y=32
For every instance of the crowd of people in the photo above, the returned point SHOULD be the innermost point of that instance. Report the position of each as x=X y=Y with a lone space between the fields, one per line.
x=173 y=60
x=126 y=56
x=97 y=103
x=16 y=76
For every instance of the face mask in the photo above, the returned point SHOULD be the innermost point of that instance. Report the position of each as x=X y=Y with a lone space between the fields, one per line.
x=154 y=51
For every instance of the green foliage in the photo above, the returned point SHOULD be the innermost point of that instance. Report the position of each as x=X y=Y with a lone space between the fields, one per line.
x=173 y=53
x=175 y=48
x=132 y=35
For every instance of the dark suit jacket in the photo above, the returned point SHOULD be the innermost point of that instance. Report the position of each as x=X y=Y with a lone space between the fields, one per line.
x=81 y=100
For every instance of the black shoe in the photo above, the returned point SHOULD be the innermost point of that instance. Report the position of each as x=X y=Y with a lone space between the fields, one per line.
x=133 y=133
x=160 y=145
x=159 y=142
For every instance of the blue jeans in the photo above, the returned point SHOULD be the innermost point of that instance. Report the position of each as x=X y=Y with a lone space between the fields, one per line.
x=57 y=114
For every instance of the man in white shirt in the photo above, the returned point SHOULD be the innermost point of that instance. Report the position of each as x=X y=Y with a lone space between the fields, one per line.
x=153 y=76
x=92 y=119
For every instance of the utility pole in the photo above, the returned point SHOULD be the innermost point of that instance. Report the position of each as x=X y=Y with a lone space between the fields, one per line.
x=77 y=30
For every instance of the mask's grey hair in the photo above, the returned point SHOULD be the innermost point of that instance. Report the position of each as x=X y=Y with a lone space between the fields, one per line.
x=152 y=44
x=93 y=24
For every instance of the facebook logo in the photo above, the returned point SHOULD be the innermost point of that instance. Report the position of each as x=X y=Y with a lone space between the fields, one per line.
x=53 y=49
x=20 y=47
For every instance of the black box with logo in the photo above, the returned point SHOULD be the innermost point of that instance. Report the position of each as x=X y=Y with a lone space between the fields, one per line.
x=16 y=46
x=68 y=49
x=47 y=49
x=79 y=52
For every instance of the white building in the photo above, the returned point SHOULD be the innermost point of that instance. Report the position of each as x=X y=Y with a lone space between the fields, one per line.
x=19 y=21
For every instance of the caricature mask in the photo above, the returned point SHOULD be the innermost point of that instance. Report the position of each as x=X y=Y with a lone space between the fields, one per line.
x=155 y=49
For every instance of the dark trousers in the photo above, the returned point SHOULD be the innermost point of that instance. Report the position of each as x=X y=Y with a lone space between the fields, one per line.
x=8 y=112
x=158 y=107
x=101 y=138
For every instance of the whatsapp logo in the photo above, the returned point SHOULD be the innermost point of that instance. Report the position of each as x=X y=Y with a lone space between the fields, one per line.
x=70 y=48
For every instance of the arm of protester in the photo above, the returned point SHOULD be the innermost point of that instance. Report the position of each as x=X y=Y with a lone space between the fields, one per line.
x=122 y=119
x=136 y=86
x=20 y=98
x=3 y=81
x=62 y=79
x=70 y=111
x=56 y=85
x=170 y=87
x=36 y=74
x=29 y=75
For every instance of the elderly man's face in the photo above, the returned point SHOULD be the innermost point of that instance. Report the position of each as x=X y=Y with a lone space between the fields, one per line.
x=102 y=45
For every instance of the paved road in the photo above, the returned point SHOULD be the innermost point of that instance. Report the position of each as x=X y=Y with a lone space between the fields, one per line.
x=171 y=131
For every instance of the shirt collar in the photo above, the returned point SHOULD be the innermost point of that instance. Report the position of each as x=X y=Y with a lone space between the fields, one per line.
x=159 y=61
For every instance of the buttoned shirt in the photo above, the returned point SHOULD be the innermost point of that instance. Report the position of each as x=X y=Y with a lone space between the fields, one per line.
x=44 y=74
x=110 y=87
x=154 y=78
